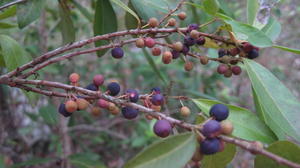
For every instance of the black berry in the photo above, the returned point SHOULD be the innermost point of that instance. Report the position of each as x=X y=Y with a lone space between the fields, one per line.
x=156 y=90
x=222 y=52
x=129 y=112
x=211 y=129
x=63 y=111
x=185 y=49
x=92 y=87
x=219 y=111
x=253 y=54
x=193 y=26
x=162 y=128
x=157 y=99
x=200 y=41
x=113 y=88
x=117 y=52
x=189 y=41
x=175 y=54
x=133 y=95
x=210 y=146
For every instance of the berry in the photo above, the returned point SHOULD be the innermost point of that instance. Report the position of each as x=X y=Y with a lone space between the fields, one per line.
x=156 y=90
x=236 y=70
x=222 y=146
x=162 y=128
x=222 y=52
x=188 y=66
x=92 y=87
x=194 y=34
x=74 y=78
x=113 y=88
x=181 y=15
x=258 y=146
x=129 y=112
x=198 y=156
x=178 y=46
x=157 y=99
x=71 y=106
x=228 y=73
x=200 y=40
x=171 y=22
x=247 y=47
x=117 y=52
x=96 y=111
x=149 y=117
x=185 y=49
x=98 y=80
x=149 y=42
x=111 y=106
x=210 y=146
x=156 y=51
x=222 y=68
x=155 y=108
x=192 y=27
x=234 y=51
x=133 y=95
x=115 y=111
x=82 y=104
x=204 y=60
x=211 y=129
x=185 y=111
x=175 y=54
x=103 y=103
x=153 y=22
x=62 y=110
x=226 y=127
x=167 y=57
x=189 y=41
x=253 y=54
x=219 y=111
x=140 y=43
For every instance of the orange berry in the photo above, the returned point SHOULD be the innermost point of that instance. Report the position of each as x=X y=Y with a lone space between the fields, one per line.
x=178 y=46
x=167 y=57
x=156 y=51
x=188 y=66
x=185 y=111
x=181 y=15
x=140 y=43
x=171 y=22
x=71 y=106
x=226 y=127
x=82 y=104
x=148 y=117
x=74 y=78
x=96 y=111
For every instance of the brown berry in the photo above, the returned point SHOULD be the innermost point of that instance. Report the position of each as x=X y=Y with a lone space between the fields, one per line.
x=115 y=111
x=181 y=15
x=82 y=104
x=149 y=42
x=171 y=22
x=236 y=70
x=226 y=127
x=71 y=106
x=178 y=46
x=74 y=78
x=140 y=43
x=194 y=34
x=167 y=57
x=222 y=68
x=204 y=60
x=111 y=106
x=156 y=108
x=153 y=22
x=188 y=66
x=96 y=111
x=156 y=51
x=185 y=111
x=198 y=156
x=228 y=73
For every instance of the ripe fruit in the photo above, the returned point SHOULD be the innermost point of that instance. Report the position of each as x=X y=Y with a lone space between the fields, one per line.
x=74 y=78
x=153 y=22
x=236 y=70
x=222 y=68
x=222 y=52
x=98 y=80
x=178 y=46
x=181 y=15
x=193 y=26
x=149 y=42
x=234 y=51
x=188 y=66
x=156 y=51
x=253 y=54
x=247 y=47
x=210 y=146
x=117 y=52
x=71 y=106
x=162 y=128
x=185 y=111
x=219 y=111
x=175 y=54
x=167 y=57
x=103 y=103
x=62 y=110
x=171 y=22
x=226 y=127
x=228 y=73
x=140 y=43
x=204 y=60
x=157 y=99
x=82 y=104
x=194 y=34
x=96 y=111
x=200 y=40
x=211 y=129
x=129 y=112
x=113 y=88
x=185 y=49
x=189 y=41
x=133 y=95
x=156 y=90
x=92 y=87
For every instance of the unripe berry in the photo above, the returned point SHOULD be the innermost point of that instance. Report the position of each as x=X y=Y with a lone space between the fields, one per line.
x=200 y=40
x=234 y=51
x=236 y=70
x=149 y=42
x=162 y=128
x=62 y=110
x=113 y=88
x=181 y=15
x=129 y=112
x=210 y=146
x=189 y=41
x=156 y=90
x=178 y=46
x=175 y=54
x=171 y=22
x=222 y=68
x=228 y=73
x=115 y=111
x=74 y=78
x=185 y=111
x=98 y=80
x=157 y=99
x=203 y=60
x=82 y=104
x=133 y=95
x=253 y=54
x=258 y=145
x=226 y=127
x=219 y=111
x=153 y=22
x=103 y=103
x=167 y=57
x=148 y=117
x=71 y=106
x=117 y=52
x=111 y=106
x=222 y=52
x=96 y=111
x=211 y=129
x=155 y=108
x=92 y=87
x=247 y=47
x=188 y=66
x=194 y=34
x=140 y=43
x=192 y=26
x=156 y=51
x=185 y=49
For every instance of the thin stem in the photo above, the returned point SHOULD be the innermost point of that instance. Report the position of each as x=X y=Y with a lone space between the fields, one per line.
x=11 y=3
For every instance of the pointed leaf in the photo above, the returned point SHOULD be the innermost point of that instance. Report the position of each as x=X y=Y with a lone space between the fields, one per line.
x=83 y=11
x=293 y=50
x=272 y=29
x=4 y=25
x=252 y=9
x=66 y=23
x=220 y=159
x=127 y=9
x=29 y=11
x=11 y=11
x=211 y=6
x=258 y=108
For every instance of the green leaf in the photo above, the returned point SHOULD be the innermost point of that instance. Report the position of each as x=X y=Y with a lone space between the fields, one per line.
x=252 y=9
x=29 y=11
x=86 y=160
x=293 y=50
x=8 y=12
x=66 y=24
x=258 y=108
x=83 y=11
x=221 y=159
x=280 y=106
x=49 y=114
x=272 y=29
x=246 y=124
x=34 y=161
x=130 y=20
x=13 y=54
x=127 y=9
x=285 y=149
x=174 y=152
x=105 y=22
x=4 y=25
x=211 y=6
x=2 y=62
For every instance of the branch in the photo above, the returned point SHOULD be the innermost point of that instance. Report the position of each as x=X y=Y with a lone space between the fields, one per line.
x=172 y=11
x=11 y=3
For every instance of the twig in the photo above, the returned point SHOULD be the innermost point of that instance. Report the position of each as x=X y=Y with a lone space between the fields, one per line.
x=172 y=11
x=11 y=3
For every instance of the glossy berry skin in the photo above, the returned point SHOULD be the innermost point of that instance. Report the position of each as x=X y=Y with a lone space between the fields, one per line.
x=157 y=99
x=117 y=52
x=162 y=128
x=189 y=41
x=149 y=42
x=103 y=103
x=62 y=110
x=133 y=95
x=129 y=112
x=222 y=52
x=222 y=68
x=200 y=41
x=219 y=111
x=156 y=51
x=253 y=54
x=175 y=54
x=236 y=70
x=92 y=87
x=156 y=90
x=193 y=26
x=210 y=146
x=185 y=49
x=113 y=88
x=98 y=80
x=211 y=129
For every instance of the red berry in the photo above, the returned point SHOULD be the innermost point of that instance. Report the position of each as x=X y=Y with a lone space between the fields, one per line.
x=181 y=15
x=98 y=80
x=156 y=51
x=188 y=66
x=171 y=22
x=236 y=70
x=103 y=103
x=234 y=51
x=71 y=106
x=222 y=68
x=167 y=57
x=247 y=47
x=74 y=78
x=149 y=42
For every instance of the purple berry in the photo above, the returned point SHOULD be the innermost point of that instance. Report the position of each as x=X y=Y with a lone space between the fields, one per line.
x=210 y=146
x=193 y=26
x=222 y=52
x=156 y=90
x=117 y=52
x=113 y=88
x=222 y=68
x=92 y=87
x=129 y=112
x=157 y=99
x=185 y=49
x=253 y=54
x=133 y=95
x=189 y=41
x=219 y=111
x=62 y=110
x=211 y=129
x=175 y=54
x=200 y=41
x=162 y=128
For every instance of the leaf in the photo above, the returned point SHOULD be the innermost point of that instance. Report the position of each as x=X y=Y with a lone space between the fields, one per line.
x=130 y=20
x=13 y=54
x=4 y=25
x=272 y=29
x=252 y=9
x=105 y=21
x=293 y=50
x=258 y=108
x=29 y=11
x=285 y=149
x=280 y=106
x=11 y=11
x=49 y=114
x=174 y=152
x=86 y=160
x=220 y=159
x=66 y=24
x=33 y=161
x=211 y=6
x=246 y=124
x=2 y=62
x=83 y=11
